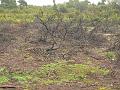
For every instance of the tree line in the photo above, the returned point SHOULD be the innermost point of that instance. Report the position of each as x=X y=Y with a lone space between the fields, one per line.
x=12 y=3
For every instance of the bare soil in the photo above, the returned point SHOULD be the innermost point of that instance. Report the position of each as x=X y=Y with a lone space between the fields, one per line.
x=16 y=58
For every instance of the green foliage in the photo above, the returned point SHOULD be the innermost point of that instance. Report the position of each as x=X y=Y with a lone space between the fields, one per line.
x=111 y=55
x=115 y=1
x=83 y=9
x=22 y=3
x=104 y=88
x=53 y=73
x=79 y=5
x=62 y=8
x=4 y=74
x=8 y=3
x=4 y=79
x=21 y=77
x=63 y=72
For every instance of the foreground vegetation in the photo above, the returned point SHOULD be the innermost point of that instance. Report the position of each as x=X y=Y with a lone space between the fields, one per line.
x=65 y=46
x=54 y=73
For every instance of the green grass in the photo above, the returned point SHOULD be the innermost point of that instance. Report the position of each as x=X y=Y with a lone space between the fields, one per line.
x=63 y=72
x=3 y=75
x=21 y=77
x=54 y=73
x=104 y=88
x=6 y=76
x=4 y=79
x=110 y=55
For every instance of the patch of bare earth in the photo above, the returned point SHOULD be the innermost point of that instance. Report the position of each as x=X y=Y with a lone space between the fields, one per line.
x=15 y=58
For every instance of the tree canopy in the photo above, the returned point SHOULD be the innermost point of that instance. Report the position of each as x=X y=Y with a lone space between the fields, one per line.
x=8 y=3
x=22 y=3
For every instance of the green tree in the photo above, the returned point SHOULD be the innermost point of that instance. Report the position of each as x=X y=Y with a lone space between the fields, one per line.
x=103 y=2
x=79 y=5
x=117 y=1
x=62 y=8
x=114 y=1
x=22 y=3
x=8 y=3
x=83 y=5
